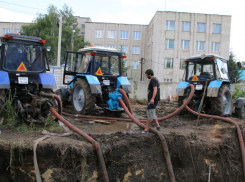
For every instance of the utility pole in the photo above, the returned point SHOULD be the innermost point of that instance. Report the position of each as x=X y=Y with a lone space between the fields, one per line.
x=59 y=40
x=72 y=43
x=141 y=76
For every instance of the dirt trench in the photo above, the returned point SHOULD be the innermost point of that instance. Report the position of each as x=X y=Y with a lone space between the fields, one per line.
x=129 y=156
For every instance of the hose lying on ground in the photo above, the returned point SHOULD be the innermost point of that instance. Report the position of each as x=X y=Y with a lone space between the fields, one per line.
x=239 y=133
x=88 y=138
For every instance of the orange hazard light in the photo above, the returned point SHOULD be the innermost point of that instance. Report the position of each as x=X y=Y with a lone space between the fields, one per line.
x=21 y=67
x=194 y=78
x=99 y=72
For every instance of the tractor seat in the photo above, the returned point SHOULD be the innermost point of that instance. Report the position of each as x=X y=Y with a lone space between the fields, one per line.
x=207 y=75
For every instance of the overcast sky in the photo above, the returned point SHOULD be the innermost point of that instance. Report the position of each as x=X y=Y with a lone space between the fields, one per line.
x=133 y=12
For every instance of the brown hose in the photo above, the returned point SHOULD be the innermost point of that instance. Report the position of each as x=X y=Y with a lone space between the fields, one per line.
x=239 y=133
x=88 y=138
x=126 y=99
x=57 y=98
x=164 y=143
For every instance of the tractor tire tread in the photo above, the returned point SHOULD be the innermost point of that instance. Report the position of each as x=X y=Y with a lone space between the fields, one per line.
x=90 y=99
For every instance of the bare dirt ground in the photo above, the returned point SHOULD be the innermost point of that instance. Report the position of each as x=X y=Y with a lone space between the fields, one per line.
x=129 y=155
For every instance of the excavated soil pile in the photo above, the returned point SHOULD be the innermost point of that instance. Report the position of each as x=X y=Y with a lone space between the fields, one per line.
x=197 y=152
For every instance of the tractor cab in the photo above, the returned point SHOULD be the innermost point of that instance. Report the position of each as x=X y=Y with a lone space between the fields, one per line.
x=23 y=58
x=202 y=68
x=93 y=74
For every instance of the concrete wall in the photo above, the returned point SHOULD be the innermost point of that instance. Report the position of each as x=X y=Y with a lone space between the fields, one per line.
x=139 y=89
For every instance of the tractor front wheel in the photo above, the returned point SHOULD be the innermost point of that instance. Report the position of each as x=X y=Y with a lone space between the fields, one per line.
x=82 y=98
x=222 y=104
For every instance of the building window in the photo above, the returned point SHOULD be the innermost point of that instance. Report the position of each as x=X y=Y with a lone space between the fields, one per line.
x=169 y=44
x=124 y=34
x=215 y=47
x=136 y=35
x=6 y=30
x=182 y=63
x=216 y=28
x=111 y=46
x=98 y=33
x=136 y=50
x=112 y=34
x=98 y=45
x=168 y=63
x=186 y=26
x=124 y=49
x=200 y=45
x=185 y=44
x=135 y=64
x=170 y=25
x=82 y=33
x=201 y=27
x=17 y=31
x=82 y=25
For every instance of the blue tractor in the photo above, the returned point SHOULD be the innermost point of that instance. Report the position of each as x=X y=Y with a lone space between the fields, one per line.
x=23 y=66
x=93 y=76
x=210 y=76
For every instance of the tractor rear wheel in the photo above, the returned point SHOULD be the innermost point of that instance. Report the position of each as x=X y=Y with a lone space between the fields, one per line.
x=222 y=104
x=82 y=98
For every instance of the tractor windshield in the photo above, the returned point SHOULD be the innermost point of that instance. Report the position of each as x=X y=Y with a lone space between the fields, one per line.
x=83 y=63
x=23 y=57
x=202 y=69
x=106 y=65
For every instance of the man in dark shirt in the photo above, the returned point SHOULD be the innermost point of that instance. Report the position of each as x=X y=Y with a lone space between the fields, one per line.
x=153 y=98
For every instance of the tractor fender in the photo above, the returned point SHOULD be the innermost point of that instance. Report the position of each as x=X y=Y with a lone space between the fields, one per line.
x=93 y=83
x=181 y=88
x=123 y=82
x=239 y=103
x=4 y=81
x=213 y=88
x=47 y=80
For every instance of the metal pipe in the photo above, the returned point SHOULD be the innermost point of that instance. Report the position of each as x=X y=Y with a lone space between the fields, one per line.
x=88 y=138
x=239 y=133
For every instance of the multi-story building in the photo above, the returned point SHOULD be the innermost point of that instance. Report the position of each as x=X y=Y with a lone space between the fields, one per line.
x=164 y=44
x=11 y=27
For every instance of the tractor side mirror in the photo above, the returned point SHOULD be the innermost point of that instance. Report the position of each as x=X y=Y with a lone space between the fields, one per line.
x=223 y=70
x=239 y=65
x=48 y=48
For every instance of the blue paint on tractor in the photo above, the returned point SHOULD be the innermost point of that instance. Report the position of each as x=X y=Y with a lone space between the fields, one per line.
x=90 y=78
x=215 y=84
x=122 y=81
x=113 y=103
x=47 y=80
x=4 y=81
x=182 y=85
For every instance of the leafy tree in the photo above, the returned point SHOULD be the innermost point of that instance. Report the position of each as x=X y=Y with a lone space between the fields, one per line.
x=45 y=26
x=235 y=75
